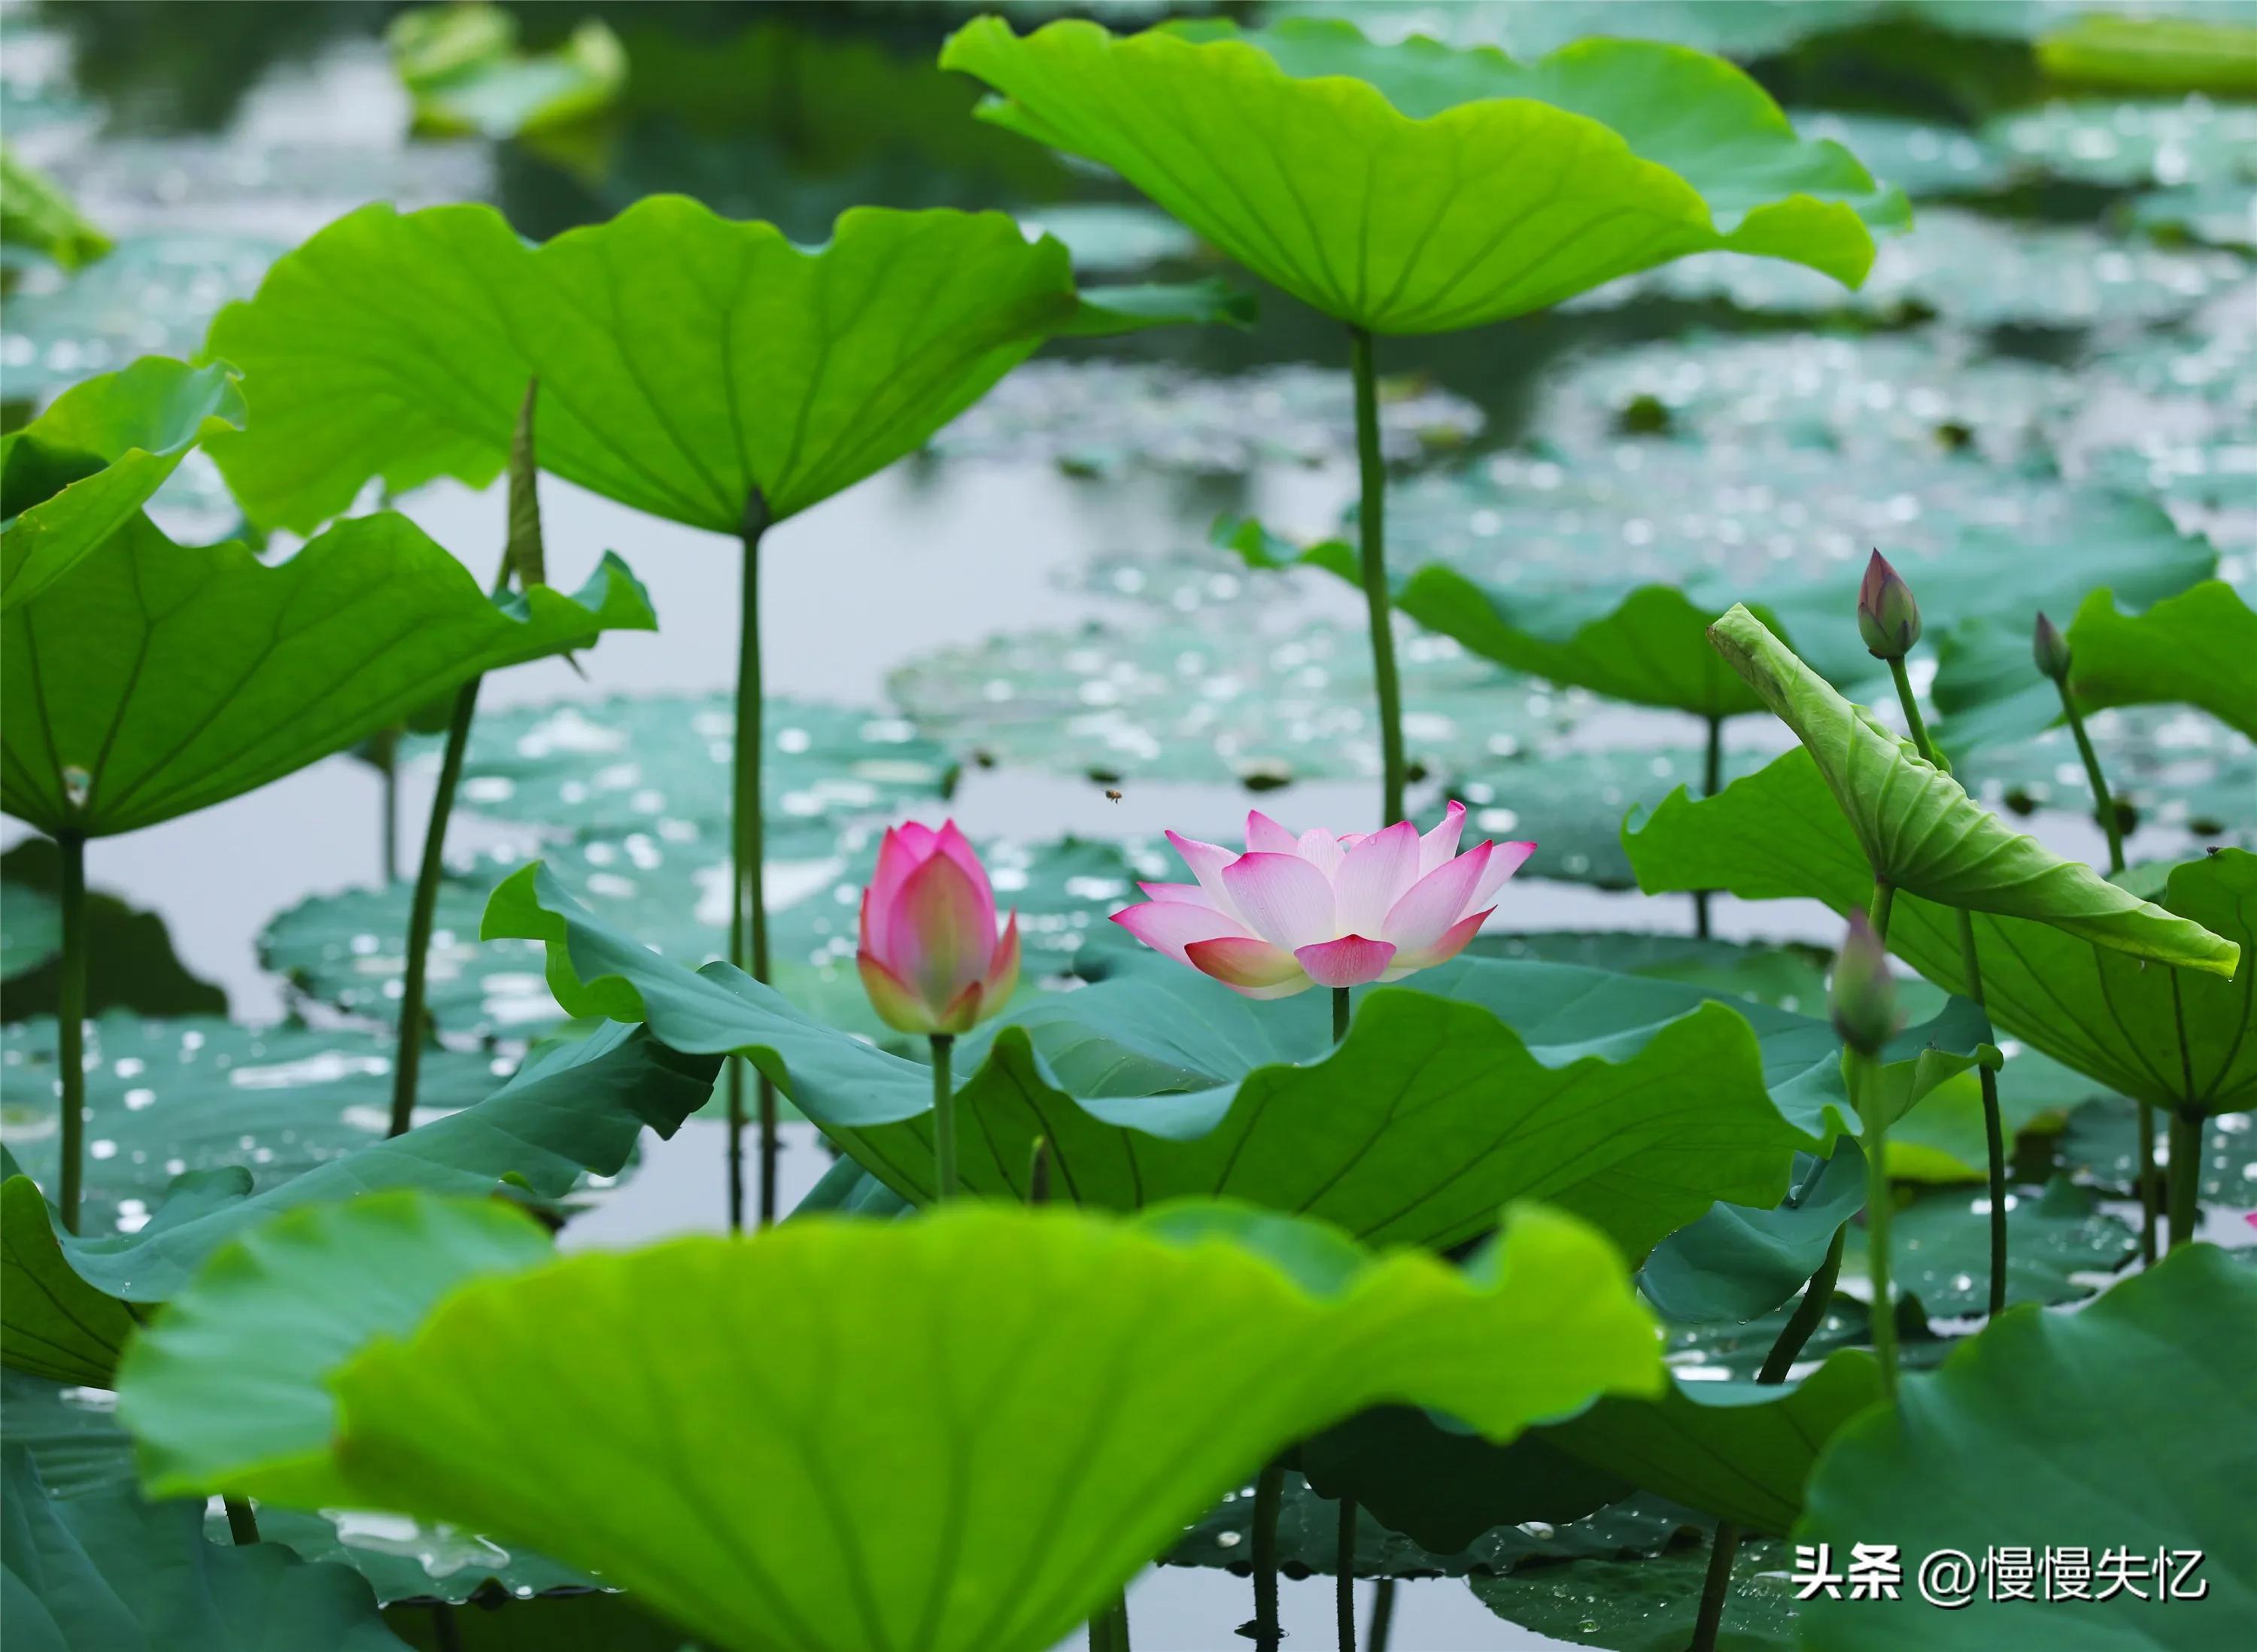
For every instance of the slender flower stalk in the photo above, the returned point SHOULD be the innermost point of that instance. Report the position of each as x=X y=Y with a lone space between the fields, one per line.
x=748 y=907
x=522 y=555
x=1889 y=619
x=1371 y=525
x=1712 y=781
x=943 y=1120
x=1269 y=1500
x=1715 y=1588
x=242 y=1523
x=70 y=1029
x=1863 y=1001
x=1344 y=1537
x=1382 y=1615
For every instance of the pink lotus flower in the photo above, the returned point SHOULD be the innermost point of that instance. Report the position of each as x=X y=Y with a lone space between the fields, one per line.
x=1292 y=913
x=931 y=959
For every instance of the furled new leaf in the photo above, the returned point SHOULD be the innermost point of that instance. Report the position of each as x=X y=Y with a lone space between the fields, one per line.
x=684 y=359
x=1016 y=1409
x=79 y=472
x=2172 y=1038
x=1415 y=188
x=1633 y=1102
x=171 y=677
x=1924 y=836
x=2131 y=1426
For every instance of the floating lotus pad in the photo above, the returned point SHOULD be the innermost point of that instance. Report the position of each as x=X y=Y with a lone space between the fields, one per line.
x=1650 y=1604
x=2060 y=1246
x=2120 y=141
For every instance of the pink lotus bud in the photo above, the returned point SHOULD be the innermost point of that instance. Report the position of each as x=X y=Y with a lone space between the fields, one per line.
x=2050 y=649
x=1292 y=913
x=1863 y=994
x=1887 y=618
x=931 y=959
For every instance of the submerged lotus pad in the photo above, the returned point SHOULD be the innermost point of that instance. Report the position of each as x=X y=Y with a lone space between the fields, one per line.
x=1007 y=1411
x=1413 y=188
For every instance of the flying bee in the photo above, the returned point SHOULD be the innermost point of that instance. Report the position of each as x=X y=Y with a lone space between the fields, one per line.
x=1112 y=796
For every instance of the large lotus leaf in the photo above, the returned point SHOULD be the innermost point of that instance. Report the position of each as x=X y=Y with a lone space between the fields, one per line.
x=2131 y=1426
x=467 y=75
x=683 y=359
x=1649 y=1604
x=192 y=1093
x=52 y=1325
x=1739 y=1450
x=2060 y=1245
x=172 y=677
x=1971 y=269
x=1573 y=803
x=1336 y=168
x=669 y=887
x=2200 y=646
x=1785 y=976
x=1214 y=695
x=36 y=214
x=589 y=1620
x=2158 y=53
x=1923 y=835
x=79 y=472
x=107 y=1571
x=912 y=1488
x=73 y=1437
x=309 y=1287
x=578 y=1109
x=2169 y=1037
x=1734 y=1263
x=1634 y=1103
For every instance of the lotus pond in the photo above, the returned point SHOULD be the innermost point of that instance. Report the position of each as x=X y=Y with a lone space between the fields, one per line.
x=859 y=827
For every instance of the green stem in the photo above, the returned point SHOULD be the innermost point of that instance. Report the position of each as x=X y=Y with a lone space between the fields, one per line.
x=1876 y=1145
x=1268 y=1499
x=70 y=1026
x=1340 y=1013
x=1382 y=1615
x=1716 y=1586
x=1877 y=914
x=407 y=1062
x=748 y=907
x=2101 y=800
x=1371 y=522
x=1712 y=780
x=2145 y=1184
x=242 y=1524
x=1971 y=967
x=1108 y=1630
x=1344 y=1576
x=2185 y=1174
x=385 y=749
x=943 y=1118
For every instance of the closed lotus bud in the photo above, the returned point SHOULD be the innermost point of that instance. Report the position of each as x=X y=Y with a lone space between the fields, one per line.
x=1864 y=996
x=1887 y=618
x=2050 y=649
x=931 y=959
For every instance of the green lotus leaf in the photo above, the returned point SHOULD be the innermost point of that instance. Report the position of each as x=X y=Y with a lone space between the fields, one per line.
x=1633 y=1102
x=309 y=1287
x=683 y=359
x=131 y=965
x=2060 y=1246
x=2153 y=54
x=1343 y=171
x=35 y=214
x=2200 y=646
x=2046 y=1429
x=108 y=1571
x=466 y=72
x=578 y=1108
x=172 y=677
x=1735 y=1264
x=913 y=1486
x=1921 y=834
x=2172 y=1038
x=1649 y=1604
x=1739 y=1450
x=79 y=472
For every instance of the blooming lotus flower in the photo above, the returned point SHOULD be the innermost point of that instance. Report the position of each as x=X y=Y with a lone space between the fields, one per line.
x=1292 y=913
x=931 y=959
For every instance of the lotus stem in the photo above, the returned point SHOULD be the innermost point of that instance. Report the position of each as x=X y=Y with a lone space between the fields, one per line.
x=748 y=907
x=1712 y=781
x=2145 y=1183
x=943 y=1118
x=1876 y=1145
x=2102 y=802
x=70 y=1029
x=1371 y=524
x=384 y=748
x=408 y=1060
x=1340 y=1013
x=1716 y=1586
x=1382 y=1615
x=1269 y=1500
x=1108 y=1630
x=1994 y=1129
x=1344 y=1576
x=2186 y=1174
x=242 y=1524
